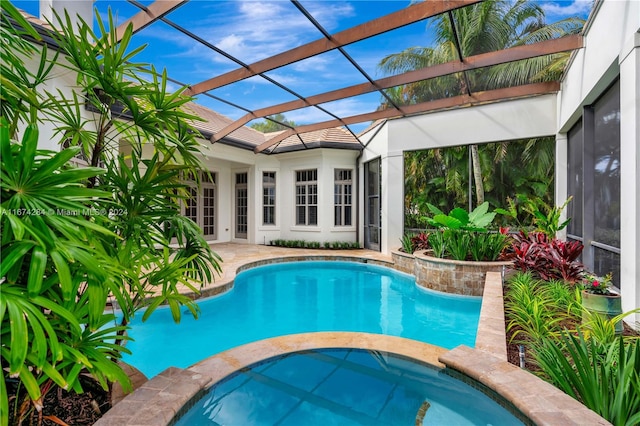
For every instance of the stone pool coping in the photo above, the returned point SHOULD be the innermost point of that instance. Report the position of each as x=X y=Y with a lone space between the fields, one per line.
x=157 y=401
x=166 y=396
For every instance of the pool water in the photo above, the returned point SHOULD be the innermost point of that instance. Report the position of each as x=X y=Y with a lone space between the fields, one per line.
x=344 y=387
x=301 y=297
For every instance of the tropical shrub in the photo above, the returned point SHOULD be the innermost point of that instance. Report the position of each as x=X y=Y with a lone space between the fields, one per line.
x=532 y=310
x=407 y=243
x=412 y=242
x=461 y=235
x=546 y=217
x=74 y=237
x=438 y=244
x=56 y=274
x=604 y=376
x=420 y=241
x=548 y=258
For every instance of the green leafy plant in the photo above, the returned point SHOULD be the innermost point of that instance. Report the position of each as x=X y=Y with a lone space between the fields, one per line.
x=477 y=220
x=56 y=274
x=602 y=328
x=547 y=218
x=565 y=297
x=458 y=243
x=488 y=246
x=602 y=375
x=464 y=235
x=437 y=243
x=74 y=237
x=531 y=310
x=407 y=243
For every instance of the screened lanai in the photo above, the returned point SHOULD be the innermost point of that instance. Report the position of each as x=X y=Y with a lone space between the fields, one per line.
x=299 y=68
x=315 y=69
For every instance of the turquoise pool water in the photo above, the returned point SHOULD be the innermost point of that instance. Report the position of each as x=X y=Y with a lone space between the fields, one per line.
x=300 y=297
x=344 y=387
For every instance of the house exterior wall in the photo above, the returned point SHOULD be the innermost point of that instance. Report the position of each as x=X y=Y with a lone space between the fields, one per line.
x=227 y=161
x=612 y=50
x=325 y=161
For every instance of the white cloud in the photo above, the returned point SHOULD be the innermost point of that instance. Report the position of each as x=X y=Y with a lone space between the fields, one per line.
x=232 y=43
x=329 y=14
x=565 y=9
x=341 y=108
x=315 y=63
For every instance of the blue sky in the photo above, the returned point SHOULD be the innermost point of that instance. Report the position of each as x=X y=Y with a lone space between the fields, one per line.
x=252 y=30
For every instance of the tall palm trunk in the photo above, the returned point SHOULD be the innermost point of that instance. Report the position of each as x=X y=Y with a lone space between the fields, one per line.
x=477 y=174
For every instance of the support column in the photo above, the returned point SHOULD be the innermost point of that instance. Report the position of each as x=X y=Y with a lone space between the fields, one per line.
x=630 y=179
x=77 y=10
x=392 y=215
x=562 y=164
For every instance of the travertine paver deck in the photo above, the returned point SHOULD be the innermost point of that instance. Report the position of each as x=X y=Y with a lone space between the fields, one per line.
x=158 y=400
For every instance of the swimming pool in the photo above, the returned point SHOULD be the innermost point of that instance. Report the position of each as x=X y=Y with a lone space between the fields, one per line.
x=299 y=297
x=344 y=387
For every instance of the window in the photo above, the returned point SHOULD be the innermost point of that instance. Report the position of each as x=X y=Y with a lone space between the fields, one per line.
x=201 y=205
x=372 y=188
x=594 y=182
x=242 y=205
x=574 y=181
x=342 y=197
x=269 y=198
x=307 y=197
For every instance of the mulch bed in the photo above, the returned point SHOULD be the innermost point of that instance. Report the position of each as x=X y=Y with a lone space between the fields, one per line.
x=65 y=408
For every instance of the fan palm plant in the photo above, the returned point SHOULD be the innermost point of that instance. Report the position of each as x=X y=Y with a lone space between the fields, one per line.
x=479 y=28
x=74 y=237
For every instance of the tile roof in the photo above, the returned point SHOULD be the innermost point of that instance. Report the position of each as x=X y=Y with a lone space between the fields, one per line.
x=251 y=138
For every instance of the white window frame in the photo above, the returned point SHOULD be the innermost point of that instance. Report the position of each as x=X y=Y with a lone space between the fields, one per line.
x=269 y=198
x=343 y=197
x=306 y=197
x=241 y=202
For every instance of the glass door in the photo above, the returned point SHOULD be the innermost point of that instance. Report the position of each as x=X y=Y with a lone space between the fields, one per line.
x=372 y=205
x=242 y=206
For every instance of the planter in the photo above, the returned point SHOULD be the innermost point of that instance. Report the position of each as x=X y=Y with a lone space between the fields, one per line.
x=606 y=306
x=403 y=261
x=446 y=275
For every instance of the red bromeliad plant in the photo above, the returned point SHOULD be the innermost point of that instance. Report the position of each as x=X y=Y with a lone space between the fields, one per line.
x=548 y=258
x=420 y=241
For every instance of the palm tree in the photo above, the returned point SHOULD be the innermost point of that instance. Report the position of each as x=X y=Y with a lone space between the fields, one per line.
x=74 y=238
x=273 y=123
x=479 y=28
x=434 y=174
